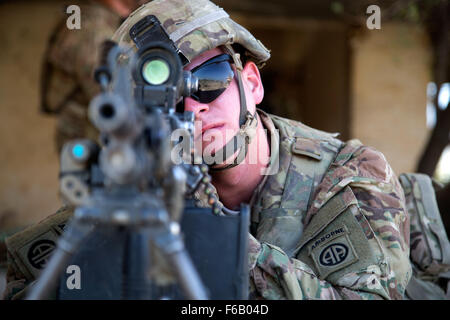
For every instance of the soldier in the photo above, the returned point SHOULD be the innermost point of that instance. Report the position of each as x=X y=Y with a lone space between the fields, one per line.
x=72 y=55
x=329 y=223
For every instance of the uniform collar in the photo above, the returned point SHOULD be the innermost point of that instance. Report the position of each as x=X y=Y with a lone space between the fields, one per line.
x=273 y=138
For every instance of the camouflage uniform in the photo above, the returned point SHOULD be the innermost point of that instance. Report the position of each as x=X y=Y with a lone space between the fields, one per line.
x=67 y=76
x=331 y=224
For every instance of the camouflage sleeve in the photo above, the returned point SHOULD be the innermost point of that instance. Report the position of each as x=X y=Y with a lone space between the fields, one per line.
x=274 y=276
x=379 y=209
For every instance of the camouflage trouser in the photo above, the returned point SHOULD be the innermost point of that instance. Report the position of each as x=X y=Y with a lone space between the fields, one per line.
x=73 y=123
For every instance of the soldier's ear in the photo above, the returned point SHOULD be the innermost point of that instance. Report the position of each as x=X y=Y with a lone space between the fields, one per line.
x=252 y=78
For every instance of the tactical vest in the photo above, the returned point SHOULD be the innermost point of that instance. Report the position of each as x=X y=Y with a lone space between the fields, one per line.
x=279 y=215
x=304 y=156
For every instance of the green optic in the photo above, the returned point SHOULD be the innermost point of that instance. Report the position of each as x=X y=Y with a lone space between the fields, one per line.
x=156 y=72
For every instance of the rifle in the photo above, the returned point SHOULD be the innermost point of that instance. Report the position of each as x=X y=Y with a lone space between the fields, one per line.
x=130 y=184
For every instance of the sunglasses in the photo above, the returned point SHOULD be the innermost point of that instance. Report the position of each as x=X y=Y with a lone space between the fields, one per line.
x=214 y=77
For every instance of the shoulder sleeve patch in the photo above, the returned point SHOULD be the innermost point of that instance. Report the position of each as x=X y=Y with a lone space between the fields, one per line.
x=334 y=242
x=30 y=249
x=332 y=251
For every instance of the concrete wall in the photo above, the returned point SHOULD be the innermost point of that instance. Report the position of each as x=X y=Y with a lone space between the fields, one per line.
x=28 y=161
x=307 y=76
x=390 y=70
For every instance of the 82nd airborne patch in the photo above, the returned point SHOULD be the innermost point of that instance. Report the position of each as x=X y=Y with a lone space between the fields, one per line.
x=333 y=254
x=332 y=251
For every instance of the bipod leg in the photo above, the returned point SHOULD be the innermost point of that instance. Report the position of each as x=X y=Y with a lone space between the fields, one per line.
x=66 y=247
x=172 y=246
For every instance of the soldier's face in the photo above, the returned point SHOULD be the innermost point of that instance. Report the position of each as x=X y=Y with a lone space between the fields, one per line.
x=220 y=118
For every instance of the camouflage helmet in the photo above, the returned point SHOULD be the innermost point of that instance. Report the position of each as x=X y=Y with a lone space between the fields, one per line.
x=195 y=26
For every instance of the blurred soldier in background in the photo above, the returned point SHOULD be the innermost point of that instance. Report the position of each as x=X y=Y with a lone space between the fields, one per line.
x=67 y=76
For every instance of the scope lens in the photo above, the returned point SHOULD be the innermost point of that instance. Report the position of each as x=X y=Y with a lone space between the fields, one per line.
x=156 y=72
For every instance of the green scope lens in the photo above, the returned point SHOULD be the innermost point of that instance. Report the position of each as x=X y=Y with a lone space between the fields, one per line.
x=156 y=71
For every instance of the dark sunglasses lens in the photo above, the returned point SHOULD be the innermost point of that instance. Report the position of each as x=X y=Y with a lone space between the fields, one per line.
x=207 y=96
x=214 y=77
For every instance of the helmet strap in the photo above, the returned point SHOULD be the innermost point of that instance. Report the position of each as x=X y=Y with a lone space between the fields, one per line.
x=247 y=121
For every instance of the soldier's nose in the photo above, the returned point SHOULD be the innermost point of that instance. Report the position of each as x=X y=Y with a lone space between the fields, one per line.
x=195 y=106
